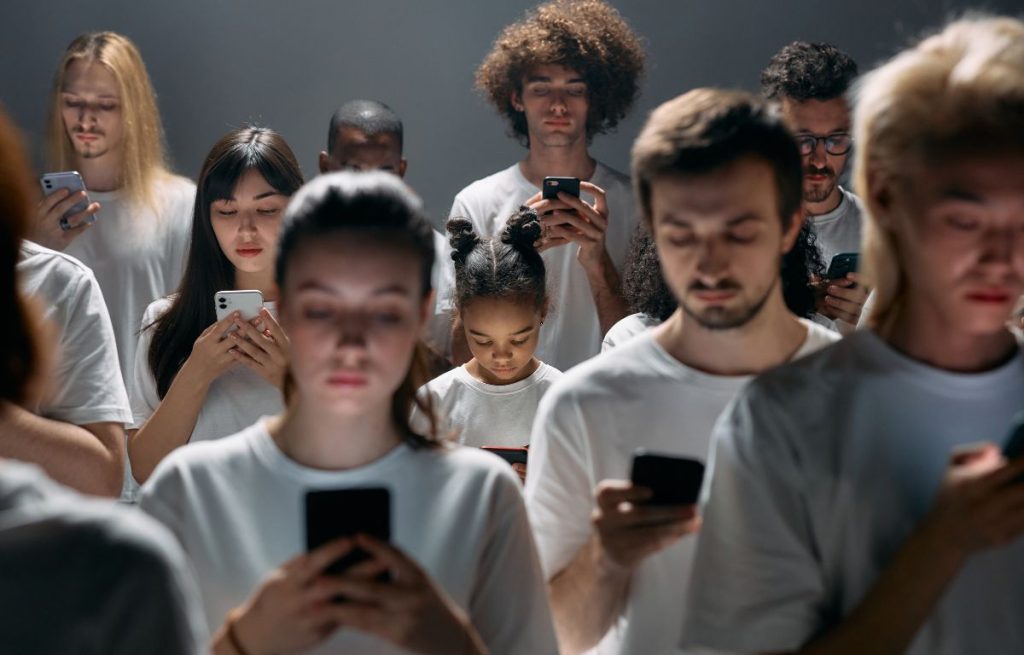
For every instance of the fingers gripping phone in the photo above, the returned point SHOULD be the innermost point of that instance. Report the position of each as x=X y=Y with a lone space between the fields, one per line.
x=841 y=264
x=672 y=480
x=248 y=302
x=335 y=513
x=553 y=185
x=73 y=182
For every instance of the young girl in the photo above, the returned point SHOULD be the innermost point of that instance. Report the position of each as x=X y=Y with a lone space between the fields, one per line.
x=501 y=298
x=353 y=269
x=192 y=382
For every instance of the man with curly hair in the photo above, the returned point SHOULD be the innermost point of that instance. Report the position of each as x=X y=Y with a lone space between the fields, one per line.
x=567 y=72
x=808 y=82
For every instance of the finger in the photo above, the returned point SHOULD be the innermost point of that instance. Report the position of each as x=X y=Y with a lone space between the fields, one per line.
x=857 y=278
x=853 y=294
x=361 y=617
x=402 y=568
x=248 y=348
x=549 y=242
x=584 y=227
x=548 y=205
x=63 y=206
x=271 y=325
x=367 y=569
x=249 y=331
x=844 y=309
x=53 y=199
x=533 y=200
x=314 y=563
x=585 y=210
x=600 y=197
x=612 y=493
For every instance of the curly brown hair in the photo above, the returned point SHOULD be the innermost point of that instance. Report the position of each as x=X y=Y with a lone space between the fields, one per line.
x=587 y=36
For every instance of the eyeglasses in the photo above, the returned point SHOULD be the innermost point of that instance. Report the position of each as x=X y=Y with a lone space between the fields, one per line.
x=835 y=144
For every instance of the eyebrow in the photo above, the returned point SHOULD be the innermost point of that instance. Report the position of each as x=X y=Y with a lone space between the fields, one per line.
x=517 y=333
x=258 y=196
x=544 y=78
x=742 y=218
x=313 y=285
x=101 y=95
x=960 y=195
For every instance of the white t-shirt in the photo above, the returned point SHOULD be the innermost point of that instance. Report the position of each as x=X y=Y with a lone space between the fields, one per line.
x=572 y=332
x=822 y=470
x=627 y=328
x=81 y=575
x=237 y=506
x=839 y=230
x=86 y=381
x=487 y=414
x=634 y=396
x=137 y=254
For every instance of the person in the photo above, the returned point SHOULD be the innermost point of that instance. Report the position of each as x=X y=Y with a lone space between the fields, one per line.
x=718 y=179
x=502 y=300
x=646 y=292
x=852 y=508
x=566 y=73
x=104 y=123
x=353 y=268
x=197 y=377
x=808 y=83
x=73 y=568
x=364 y=135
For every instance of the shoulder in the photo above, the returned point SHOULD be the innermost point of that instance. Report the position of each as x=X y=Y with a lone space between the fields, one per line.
x=464 y=468
x=605 y=174
x=177 y=187
x=607 y=376
x=206 y=458
x=818 y=337
x=627 y=327
x=157 y=308
x=442 y=384
x=57 y=264
x=484 y=189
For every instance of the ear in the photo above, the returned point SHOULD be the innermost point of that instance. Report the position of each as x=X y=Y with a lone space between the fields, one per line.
x=402 y=166
x=517 y=101
x=426 y=310
x=325 y=162
x=796 y=223
x=880 y=198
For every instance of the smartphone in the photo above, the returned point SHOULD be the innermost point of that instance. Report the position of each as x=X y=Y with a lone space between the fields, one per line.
x=73 y=182
x=553 y=185
x=673 y=480
x=841 y=264
x=249 y=302
x=335 y=513
x=510 y=455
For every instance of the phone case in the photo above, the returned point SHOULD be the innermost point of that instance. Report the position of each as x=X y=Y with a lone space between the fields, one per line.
x=335 y=513
x=249 y=302
x=673 y=480
x=553 y=185
x=841 y=264
x=72 y=181
x=510 y=455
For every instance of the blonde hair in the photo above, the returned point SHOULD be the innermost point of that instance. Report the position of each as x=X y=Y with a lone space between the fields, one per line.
x=144 y=159
x=959 y=91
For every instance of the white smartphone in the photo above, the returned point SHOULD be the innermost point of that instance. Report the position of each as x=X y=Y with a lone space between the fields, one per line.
x=73 y=182
x=249 y=302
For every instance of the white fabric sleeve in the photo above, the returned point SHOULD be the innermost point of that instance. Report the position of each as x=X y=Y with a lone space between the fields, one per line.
x=509 y=603
x=445 y=299
x=559 y=489
x=142 y=389
x=757 y=584
x=89 y=385
x=163 y=498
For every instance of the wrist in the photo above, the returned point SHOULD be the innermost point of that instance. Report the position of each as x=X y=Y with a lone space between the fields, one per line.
x=940 y=541
x=237 y=632
x=193 y=377
x=607 y=568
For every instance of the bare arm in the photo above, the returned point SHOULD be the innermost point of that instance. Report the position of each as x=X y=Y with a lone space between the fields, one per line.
x=88 y=458
x=606 y=288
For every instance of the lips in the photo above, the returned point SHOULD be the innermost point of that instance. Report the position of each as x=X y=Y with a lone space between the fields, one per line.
x=714 y=296
x=990 y=296
x=347 y=380
x=557 y=123
x=248 y=252
x=88 y=138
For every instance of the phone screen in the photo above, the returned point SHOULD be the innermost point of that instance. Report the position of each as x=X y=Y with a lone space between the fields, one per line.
x=335 y=513
x=673 y=480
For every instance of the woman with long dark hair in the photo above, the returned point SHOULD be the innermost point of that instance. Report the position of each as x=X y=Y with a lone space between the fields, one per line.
x=196 y=377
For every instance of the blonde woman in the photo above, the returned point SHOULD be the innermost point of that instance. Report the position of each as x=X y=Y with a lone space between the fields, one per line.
x=104 y=123
x=860 y=502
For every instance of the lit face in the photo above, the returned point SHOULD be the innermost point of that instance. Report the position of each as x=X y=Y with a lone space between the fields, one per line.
x=720 y=239
x=248 y=223
x=354 y=150
x=502 y=334
x=962 y=243
x=821 y=118
x=554 y=99
x=354 y=310
x=91 y=109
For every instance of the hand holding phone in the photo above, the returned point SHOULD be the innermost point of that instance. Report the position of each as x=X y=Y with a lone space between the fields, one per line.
x=842 y=264
x=64 y=212
x=335 y=513
x=552 y=186
x=672 y=480
x=249 y=302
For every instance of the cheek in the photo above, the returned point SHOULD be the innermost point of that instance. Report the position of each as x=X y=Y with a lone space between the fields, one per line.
x=224 y=230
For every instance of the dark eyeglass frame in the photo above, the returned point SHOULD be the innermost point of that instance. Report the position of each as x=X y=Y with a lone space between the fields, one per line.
x=808 y=143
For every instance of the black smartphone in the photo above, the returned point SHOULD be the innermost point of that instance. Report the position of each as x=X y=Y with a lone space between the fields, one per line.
x=673 y=480
x=553 y=185
x=335 y=513
x=841 y=264
x=510 y=455
x=1013 y=447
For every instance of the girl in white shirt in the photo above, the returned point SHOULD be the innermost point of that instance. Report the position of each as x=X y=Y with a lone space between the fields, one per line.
x=353 y=269
x=191 y=382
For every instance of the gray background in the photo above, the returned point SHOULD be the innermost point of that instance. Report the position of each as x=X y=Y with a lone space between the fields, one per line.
x=217 y=64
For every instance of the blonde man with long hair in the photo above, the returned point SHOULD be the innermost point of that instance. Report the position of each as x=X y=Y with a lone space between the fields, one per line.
x=105 y=124
x=860 y=501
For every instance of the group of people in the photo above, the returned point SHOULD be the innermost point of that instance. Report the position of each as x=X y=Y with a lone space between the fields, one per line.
x=859 y=492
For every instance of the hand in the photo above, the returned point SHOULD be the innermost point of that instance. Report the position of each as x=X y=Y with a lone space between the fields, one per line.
x=626 y=532
x=212 y=353
x=263 y=346
x=47 y=230
x=409 y=610
x=980 y=504
x=843 y=298
x=571 y=219
x=292 y=610
x=520 y=470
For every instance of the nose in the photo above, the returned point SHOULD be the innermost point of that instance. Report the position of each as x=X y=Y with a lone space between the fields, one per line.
x=247 y=224
x=558 y=106
x=501 y=352
x=998 y=246
x=818 y=156
x=713 y=261
x=351 y=333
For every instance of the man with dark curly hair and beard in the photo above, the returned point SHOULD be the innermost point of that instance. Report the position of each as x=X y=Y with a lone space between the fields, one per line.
x=567 y=72
x=808 y=83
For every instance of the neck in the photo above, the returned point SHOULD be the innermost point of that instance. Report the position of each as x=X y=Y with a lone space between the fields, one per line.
x=922 y=335
x=100 y=173
x=317 y=438
x=262 y=280
x=561 y=161
x=769 y=339
x=825 y=206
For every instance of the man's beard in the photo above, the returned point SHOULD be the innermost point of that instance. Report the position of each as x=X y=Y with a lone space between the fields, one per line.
x=721 y=318
x=820 y=191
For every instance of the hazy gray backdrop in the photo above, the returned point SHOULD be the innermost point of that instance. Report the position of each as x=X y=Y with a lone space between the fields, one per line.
x=217 y=64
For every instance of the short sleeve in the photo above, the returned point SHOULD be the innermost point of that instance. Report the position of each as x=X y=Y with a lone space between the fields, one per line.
x=446 y=267
x=757 y=584
x=163 y=497
x=142 y=389
x=559 y=488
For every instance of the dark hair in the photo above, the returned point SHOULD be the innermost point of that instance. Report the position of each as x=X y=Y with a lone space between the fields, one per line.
x=808 y=71
x=642 y=281
x=21 y=354
x=369 y=117
x=207 y=269
x=799 y=265
x=378 y=205
x=587 y=36
x=508 y=266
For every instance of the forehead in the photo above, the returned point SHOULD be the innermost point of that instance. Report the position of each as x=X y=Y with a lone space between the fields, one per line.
x=817 y=116
x=988 y=179
x=353 y=266
x=498 y=316
x=84 y=76
x=554 y=73
x=744 y=186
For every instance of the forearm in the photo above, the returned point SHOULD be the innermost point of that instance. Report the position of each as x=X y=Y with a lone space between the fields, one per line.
x=586 y=597
x=70 y=454
x=169 y=427
x=606 y=289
